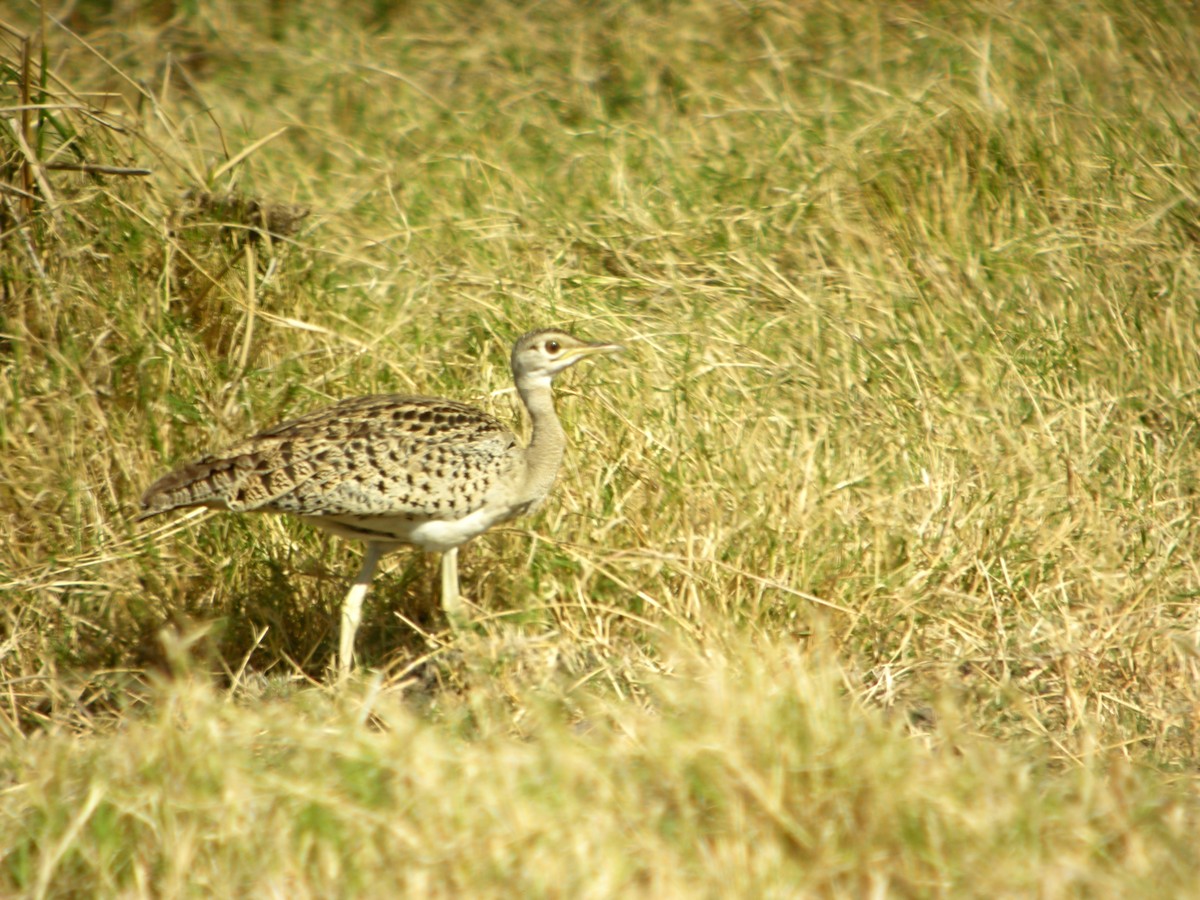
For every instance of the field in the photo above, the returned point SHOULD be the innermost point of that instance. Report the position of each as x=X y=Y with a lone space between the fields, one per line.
x=872 y=567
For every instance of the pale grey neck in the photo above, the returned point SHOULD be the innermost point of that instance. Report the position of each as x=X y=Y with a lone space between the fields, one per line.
x=547 y=439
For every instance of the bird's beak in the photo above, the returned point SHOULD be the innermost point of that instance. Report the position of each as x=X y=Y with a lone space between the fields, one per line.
x=589 y=349
x=575 y=354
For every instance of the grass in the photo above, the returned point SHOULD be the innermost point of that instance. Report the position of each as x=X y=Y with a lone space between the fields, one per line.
x=872 y=566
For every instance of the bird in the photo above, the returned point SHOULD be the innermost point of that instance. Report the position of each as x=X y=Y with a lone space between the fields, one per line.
x=392 y=470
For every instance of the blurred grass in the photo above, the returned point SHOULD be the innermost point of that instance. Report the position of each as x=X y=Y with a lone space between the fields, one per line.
x=871 y=569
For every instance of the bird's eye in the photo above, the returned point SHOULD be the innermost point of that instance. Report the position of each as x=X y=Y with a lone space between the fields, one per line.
x=552 y=347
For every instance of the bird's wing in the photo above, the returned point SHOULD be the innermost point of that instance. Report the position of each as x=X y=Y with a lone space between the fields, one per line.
x=377 y=455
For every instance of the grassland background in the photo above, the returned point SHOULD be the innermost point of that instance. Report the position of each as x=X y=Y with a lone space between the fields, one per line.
x=872 y=567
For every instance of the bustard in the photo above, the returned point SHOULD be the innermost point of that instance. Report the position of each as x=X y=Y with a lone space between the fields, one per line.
x=391 y=470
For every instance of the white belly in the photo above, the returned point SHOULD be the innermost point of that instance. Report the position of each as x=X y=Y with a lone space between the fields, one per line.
x=432 y=535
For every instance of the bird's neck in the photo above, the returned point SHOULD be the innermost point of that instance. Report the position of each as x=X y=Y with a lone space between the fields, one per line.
x=547 y=440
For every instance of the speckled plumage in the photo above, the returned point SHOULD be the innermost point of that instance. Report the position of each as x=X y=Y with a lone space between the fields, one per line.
x=386 y=455
x=389 y=469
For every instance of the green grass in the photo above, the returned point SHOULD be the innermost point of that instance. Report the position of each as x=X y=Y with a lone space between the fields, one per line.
x=872 y=566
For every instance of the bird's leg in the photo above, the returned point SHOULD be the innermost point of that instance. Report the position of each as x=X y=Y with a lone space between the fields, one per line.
x=352 y=606
x=451 y=599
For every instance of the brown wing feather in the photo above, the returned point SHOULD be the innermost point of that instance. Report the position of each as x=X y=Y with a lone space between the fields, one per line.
x=376 y=455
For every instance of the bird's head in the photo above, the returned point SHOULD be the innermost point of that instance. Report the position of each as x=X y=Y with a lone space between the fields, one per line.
x=540 y=355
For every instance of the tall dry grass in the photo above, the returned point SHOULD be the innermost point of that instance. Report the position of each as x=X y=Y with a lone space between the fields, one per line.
x=871 y=569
